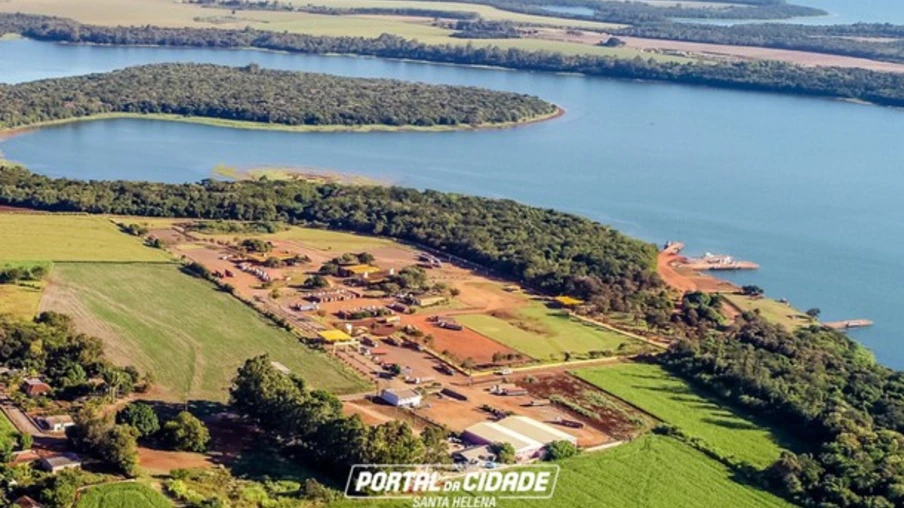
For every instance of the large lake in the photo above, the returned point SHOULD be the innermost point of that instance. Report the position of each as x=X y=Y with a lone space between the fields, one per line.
x=840 y=12
x=811 y=189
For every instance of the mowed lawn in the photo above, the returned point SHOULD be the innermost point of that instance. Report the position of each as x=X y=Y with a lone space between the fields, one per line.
x=191 y=336
x=122 y=495
x=58 y=237
x=673 y=401
x=543 y=333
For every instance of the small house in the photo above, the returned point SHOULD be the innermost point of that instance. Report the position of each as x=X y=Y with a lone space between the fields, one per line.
x=57 y=463
x=57 y=423
x=401 y=398
x=34 y=387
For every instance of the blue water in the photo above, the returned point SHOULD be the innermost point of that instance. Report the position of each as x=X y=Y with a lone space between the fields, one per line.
x=565 y=9
x=810 y=189
x=841 y=12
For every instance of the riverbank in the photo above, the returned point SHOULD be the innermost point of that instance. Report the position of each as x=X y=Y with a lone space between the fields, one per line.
x=239 y=124
x=312 y=175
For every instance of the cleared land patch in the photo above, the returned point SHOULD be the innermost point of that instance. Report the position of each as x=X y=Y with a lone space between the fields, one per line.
x=771 y=310
x=543 y=333
x=122 y=495
x=46 y=237
x=189 y=335
x=320 y=239
x=653 y=389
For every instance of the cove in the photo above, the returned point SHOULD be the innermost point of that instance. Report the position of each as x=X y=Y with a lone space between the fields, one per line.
x=808 y=188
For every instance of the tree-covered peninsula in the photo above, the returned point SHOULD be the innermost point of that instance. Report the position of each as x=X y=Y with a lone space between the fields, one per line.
x=252 y=94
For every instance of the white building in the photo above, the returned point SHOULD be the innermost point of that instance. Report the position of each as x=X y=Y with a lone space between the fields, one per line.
x=527 y=436
x=401 y=398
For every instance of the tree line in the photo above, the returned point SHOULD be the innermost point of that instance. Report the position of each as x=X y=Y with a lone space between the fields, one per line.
x=257 y=95
x=552 y=251
x=877 y=41
x=870 y=86
x=822 y=388
x=308 y=425
x=246 y=5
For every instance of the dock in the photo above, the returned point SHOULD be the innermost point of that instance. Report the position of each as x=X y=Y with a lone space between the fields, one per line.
x=708 y=261
x=849 y=323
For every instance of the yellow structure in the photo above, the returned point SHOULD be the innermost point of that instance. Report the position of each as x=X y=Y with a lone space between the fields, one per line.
x=353 y=270
x=333 y=336
x=567 y=301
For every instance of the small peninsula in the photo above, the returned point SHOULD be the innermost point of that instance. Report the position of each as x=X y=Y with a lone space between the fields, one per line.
x=257 y=98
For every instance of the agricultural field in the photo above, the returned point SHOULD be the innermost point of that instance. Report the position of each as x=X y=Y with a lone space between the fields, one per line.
x=44 y=237
x=771 y=310
x=651 y=472
x=320 y=239
x=673 y=401
x=191 y=336
x=21 y=300
x=176 y=14
x=543 y=333
x=122 y=495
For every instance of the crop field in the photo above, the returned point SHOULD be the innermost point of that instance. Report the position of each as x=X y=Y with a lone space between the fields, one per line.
x=543 y=333
x=670 y=399
x=122 y=495
x=20 y=300
x=771 y=310
x=191 y=336
x=320 y=239
x=651 y=472
x=46 y=237
x=176 y=14
x=6 y=427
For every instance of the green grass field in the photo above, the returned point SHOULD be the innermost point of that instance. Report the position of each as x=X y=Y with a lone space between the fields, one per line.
x=543 y=333
x=651 y=472
x=122 y=495
x=670 y=399
x=191 y=336
x=47 y=237
x=6 y=427
x=771 y=310
x=322 y=239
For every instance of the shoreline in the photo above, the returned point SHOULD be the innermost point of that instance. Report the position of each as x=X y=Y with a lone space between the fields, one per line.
x=248 y=125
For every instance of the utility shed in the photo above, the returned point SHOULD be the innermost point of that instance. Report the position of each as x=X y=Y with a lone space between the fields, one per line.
x=401 y=398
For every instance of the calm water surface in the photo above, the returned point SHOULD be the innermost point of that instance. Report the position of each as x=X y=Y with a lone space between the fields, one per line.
x=841 y=12
x=810 y=189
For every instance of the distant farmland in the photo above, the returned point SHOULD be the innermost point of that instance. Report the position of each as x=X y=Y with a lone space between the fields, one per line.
x=672 y=400
x=191 y=336
x=57 y=237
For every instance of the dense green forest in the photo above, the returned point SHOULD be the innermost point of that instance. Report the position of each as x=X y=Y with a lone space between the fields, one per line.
x=820 y=386
x=877 y=87
x=552 y=251
x=257 y=95
x=877 y=41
